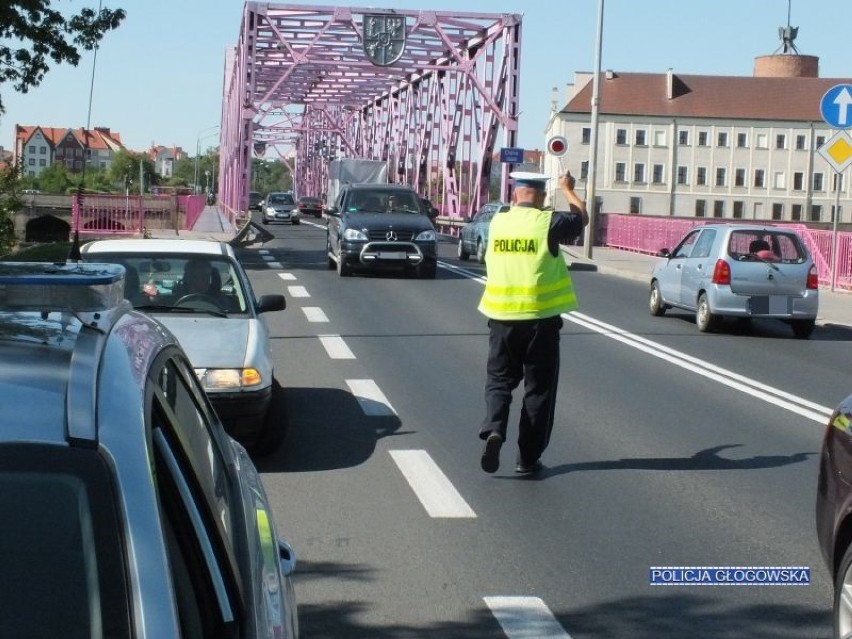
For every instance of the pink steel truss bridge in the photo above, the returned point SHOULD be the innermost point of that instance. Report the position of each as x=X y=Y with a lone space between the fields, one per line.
x=427 y=91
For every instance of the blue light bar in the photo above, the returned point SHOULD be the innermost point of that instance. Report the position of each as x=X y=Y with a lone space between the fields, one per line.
x=42 y=286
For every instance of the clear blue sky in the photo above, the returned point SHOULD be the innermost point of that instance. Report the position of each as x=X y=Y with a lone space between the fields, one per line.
x=159 y=77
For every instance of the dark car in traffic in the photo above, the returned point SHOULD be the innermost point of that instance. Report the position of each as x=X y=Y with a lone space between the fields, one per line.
x=834 y=512
x=380 y=227
x=309 y=206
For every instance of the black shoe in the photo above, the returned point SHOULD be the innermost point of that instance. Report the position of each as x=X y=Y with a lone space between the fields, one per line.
x=529 y=469
x=491 y=455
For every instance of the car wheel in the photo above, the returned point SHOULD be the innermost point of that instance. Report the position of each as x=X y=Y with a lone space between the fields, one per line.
x=655 y=303
x=264 y=220
x=273 y=429
x=704 y=317
x=843 y=596
x=462 y=252
x=480 y=252
x=296 y=222
x=803 y=328
x=343 y=269
x=331 y=263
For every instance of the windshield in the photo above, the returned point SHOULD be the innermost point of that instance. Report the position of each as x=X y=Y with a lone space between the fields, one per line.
x=766 y=246
x=384 y=202
x=279 y=198
x=185 y=283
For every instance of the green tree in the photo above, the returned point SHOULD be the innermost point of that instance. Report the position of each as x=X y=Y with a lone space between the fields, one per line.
x=124 y=168
x=10 y=202
x=32 y=34
x=55 y=179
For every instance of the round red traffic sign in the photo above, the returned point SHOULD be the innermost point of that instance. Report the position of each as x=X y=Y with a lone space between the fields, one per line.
x=557 y=145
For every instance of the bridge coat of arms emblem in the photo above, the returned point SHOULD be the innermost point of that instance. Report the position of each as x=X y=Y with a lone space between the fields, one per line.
x=384 y=38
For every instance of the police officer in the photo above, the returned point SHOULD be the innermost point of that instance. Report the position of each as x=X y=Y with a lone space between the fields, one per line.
x=528 y=288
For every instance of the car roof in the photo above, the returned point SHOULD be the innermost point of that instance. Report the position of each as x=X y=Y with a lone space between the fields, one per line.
x=210 y=248
x=379 y=185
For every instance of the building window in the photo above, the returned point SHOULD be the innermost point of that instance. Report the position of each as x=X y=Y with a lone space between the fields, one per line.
x=762 y=141
x=798 y=181
x=722 y=138
x=620 y=172
x=621 y=136
x=739 y=177
x=42 y=150
x=718 y=208
x=659 y=138
x=658 y=174
x=780 y=141
x=42 y=162
x=759 y=178
x=639 y=172
x=635 y=205
x=640 y=137
x=584 y=170
x=60 y=153
x=32 y=162
x=31 y=173
x=779 y=181
x=742 y=140
x=102 y=164
x=800 y=142
x=587 y=135
x=683 y=138
x=78 y=164
x=701 y=176
x=818 y=182
x=777 y=211
x=702 y=138
x=820 y=140
x=32 y=148
x=682 y=175
x=796 y=212
x=721 y=176
x=78 y=153
x=700 y=208
x=738 y=209
x=816 y=213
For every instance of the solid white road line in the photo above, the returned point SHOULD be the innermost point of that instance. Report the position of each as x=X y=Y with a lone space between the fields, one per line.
x=433 y=489
x=525 y=618
x=314 y=314
x=370 y=397
x=298 y=291
x=744 y=384
x=287 y=276
x=336 y=347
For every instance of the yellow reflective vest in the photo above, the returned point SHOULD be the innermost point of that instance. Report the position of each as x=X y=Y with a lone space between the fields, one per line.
x=525 y=280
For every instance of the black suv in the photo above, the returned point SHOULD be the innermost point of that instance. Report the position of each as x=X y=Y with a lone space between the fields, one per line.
x=380 y=226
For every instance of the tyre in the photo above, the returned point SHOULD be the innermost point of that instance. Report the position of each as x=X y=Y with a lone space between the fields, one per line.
x=274 y=426
x=655 y=302
x=296 y=222
x=803 y=328
x=331 y=263
x=264 y=221
x=343 y=269
x=843 y=596
x=462 y=251
x=480 y=251
x=704 y=317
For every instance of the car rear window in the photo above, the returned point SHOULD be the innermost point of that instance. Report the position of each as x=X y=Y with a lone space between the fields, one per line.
x=63 y=563
x=280 y=198
x=781 y=246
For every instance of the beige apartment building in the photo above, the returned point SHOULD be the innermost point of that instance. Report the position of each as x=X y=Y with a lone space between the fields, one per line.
x=734 y=147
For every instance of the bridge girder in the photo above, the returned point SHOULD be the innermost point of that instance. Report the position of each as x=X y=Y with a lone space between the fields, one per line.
x=299 y=83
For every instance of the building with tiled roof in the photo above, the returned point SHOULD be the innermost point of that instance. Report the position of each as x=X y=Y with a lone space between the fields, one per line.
x=37 y=147
x=164 y=158
x=740 y=147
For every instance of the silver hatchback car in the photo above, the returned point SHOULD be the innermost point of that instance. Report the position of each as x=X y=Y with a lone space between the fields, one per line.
x=127 y=509
x=737 y=270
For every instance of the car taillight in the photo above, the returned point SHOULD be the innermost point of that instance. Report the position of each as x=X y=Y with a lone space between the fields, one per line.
x=813 y=277
x=721 y=272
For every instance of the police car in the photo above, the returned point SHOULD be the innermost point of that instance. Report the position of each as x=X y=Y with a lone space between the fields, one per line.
x=127 y=510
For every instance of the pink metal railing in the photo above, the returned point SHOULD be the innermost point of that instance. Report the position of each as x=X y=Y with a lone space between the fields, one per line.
x=132 y=214
x=646 y=234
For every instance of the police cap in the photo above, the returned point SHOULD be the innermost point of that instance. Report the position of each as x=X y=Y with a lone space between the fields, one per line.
x=529 y=179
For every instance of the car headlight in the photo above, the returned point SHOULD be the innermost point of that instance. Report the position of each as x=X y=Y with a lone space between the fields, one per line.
x=228 y=378
x=354 y=234
x=426 y=236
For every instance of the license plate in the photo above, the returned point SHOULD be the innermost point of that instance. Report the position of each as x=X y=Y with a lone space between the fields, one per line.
x=390 y=255
x=770 y=305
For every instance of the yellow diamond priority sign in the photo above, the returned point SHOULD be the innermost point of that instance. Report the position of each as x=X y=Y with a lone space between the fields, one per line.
x=838 y=151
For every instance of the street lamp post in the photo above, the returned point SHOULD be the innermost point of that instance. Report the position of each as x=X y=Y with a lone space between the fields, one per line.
x=591 y=196
x=198 y=152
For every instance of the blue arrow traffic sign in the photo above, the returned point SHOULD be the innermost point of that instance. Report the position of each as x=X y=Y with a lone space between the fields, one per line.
x=836 y=106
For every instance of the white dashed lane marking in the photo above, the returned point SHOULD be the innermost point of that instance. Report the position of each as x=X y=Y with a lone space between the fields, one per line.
x=336 y=347
x=298 y=291
x=314 y=314
x=287 y=276
x=525 y=618
x=370 y=397
x=433 y=489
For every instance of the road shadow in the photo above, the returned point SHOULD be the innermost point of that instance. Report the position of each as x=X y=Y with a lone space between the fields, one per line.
x=327 y=428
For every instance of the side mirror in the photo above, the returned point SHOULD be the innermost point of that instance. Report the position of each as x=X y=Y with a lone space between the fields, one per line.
x=664 y=252
x=286 y=558
x=271 y=303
